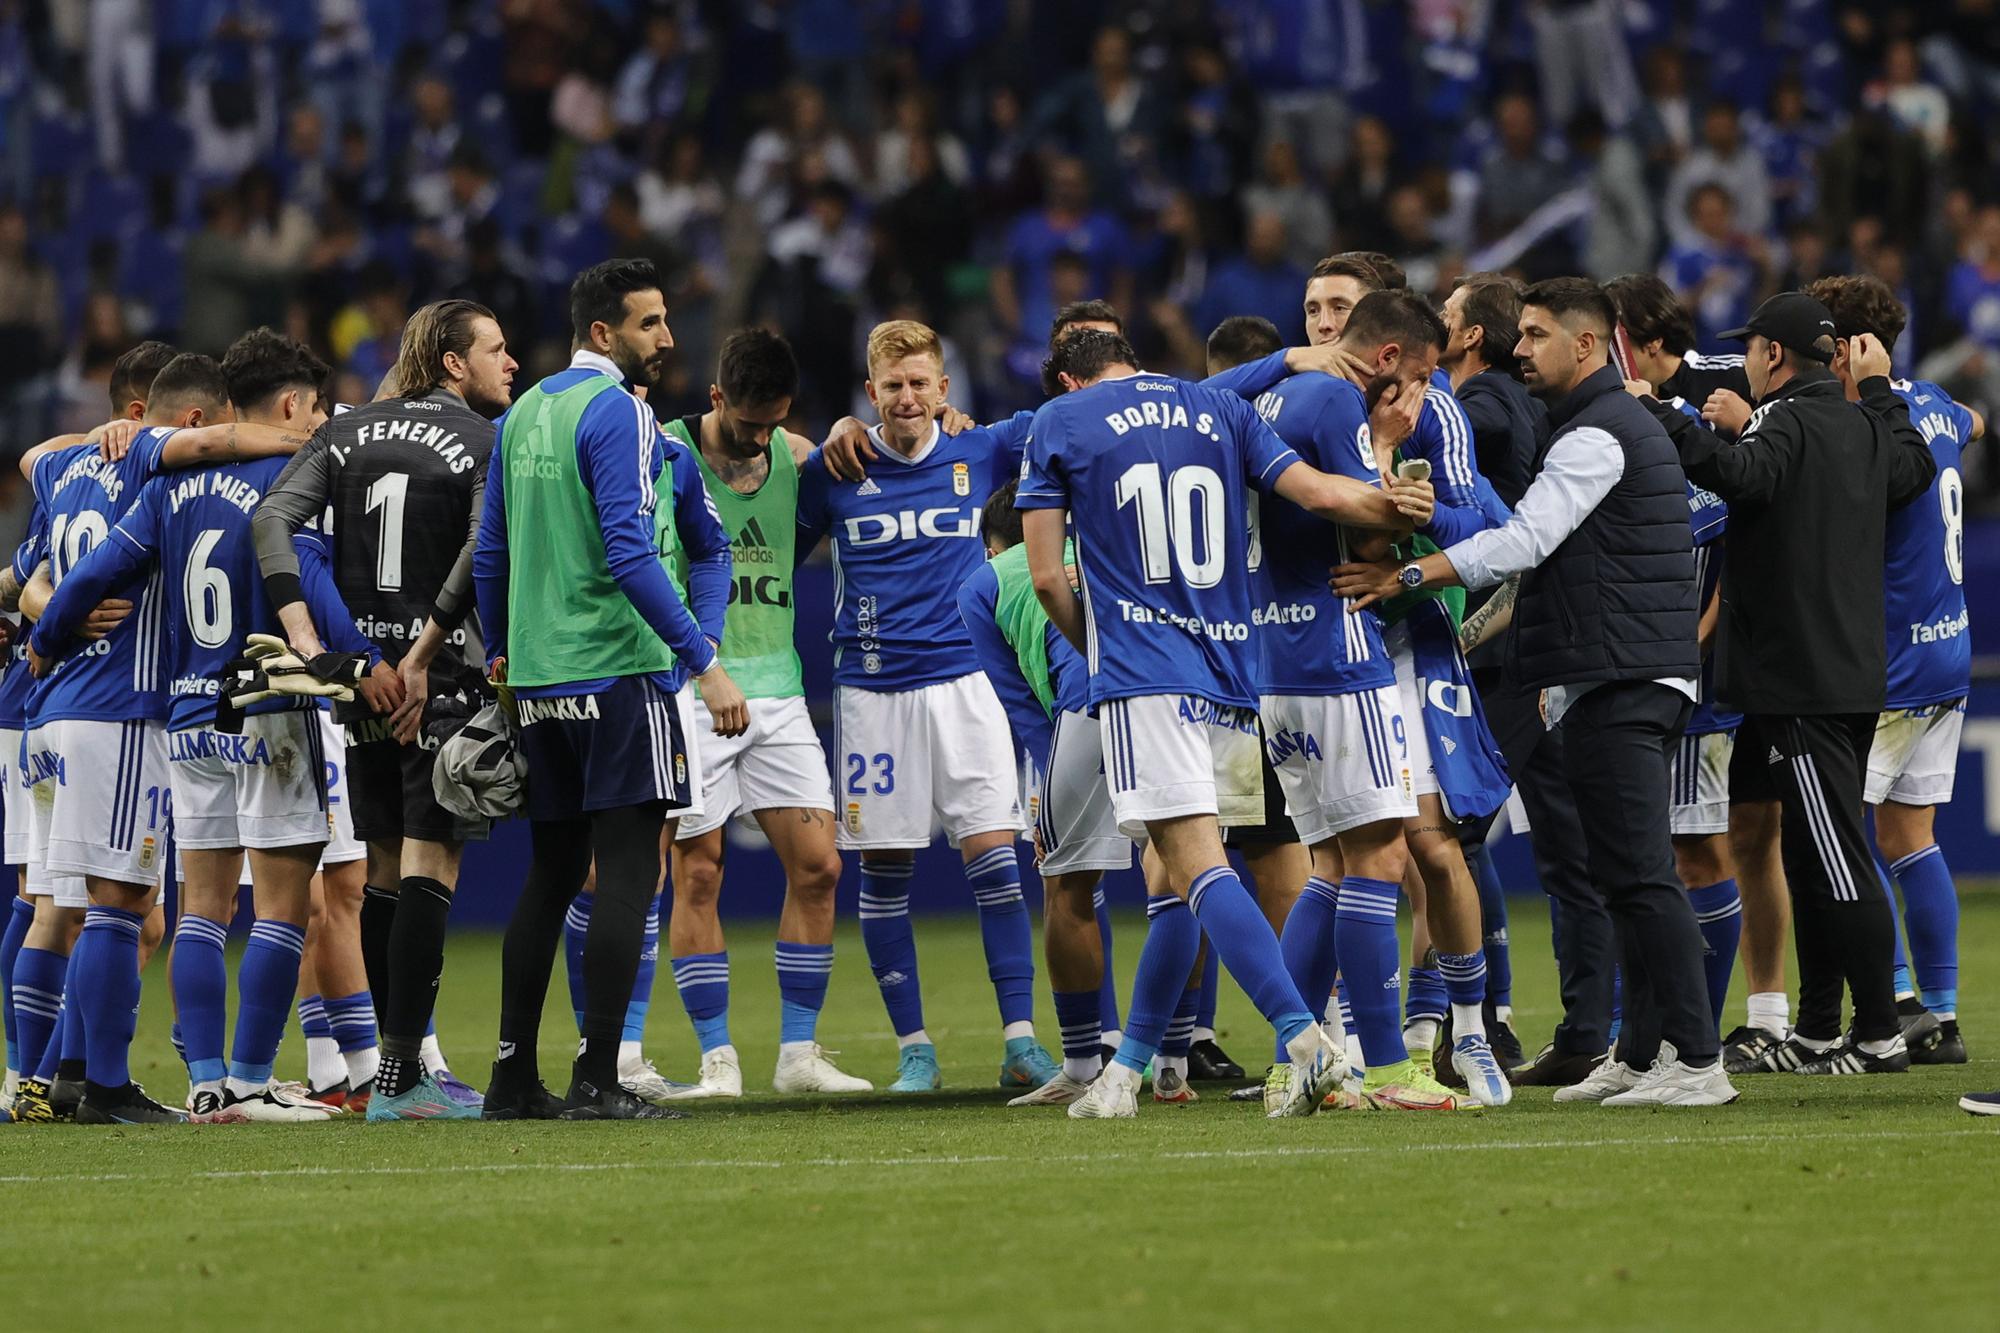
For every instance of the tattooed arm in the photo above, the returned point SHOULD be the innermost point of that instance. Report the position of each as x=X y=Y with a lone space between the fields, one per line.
x=1492 y=618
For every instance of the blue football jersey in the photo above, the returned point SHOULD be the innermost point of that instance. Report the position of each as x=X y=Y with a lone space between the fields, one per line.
x=1155 y=473
x=194 y=527
x=1443 y=437
x=904 y=542
x=1930 y=640
x=1708 y=516
x=1310 y=640
x=118 y=678
x=18 y=680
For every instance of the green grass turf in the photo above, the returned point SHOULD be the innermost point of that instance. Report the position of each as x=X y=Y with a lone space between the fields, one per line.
x=1846 y=1203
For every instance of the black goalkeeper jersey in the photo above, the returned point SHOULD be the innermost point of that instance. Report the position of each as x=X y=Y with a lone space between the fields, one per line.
x=400 y=481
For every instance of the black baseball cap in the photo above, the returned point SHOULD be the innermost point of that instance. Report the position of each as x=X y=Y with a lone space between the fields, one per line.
x=1795 y=322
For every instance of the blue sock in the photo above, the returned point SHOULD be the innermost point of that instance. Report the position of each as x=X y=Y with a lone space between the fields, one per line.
x=1307 y=944
x=1718 y=910
x=38 y=982
x=174 y=1040
x=313 y=1022
x=891 y=944
x=803 y=971
x=1930 y=914
x=1493 y=924
x=703 y=980
x=1180 y=1028
x=1080 y=1019
x=1464 y=977
x=107 y=967
x=52 y=1053
x=576 y=926
x=1899 y=958
x=1366 y=927
x=1425 y=997
x=18 y=919
x=1211 y=991
x=1617 y=1003
x=642 y=981
x=1005 y=930
x=201 y=988
x=352 y=1018
x=1107 y=990
x=265 y=980
x=1172 y=939
x=1239 y=932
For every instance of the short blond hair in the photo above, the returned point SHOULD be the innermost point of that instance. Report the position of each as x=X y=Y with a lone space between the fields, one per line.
x=899 y=338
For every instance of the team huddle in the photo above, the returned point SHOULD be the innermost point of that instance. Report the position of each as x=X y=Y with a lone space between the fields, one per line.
x=1155 y=618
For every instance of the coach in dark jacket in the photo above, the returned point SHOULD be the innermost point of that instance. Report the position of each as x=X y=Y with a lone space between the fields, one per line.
x=1810 y=483
x=1605 y=626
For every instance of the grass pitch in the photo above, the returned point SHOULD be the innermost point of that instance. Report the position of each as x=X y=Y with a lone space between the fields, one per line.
x=1842 y=1203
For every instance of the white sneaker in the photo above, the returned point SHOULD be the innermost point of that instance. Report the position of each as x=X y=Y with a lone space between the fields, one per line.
x=1671 y=1083
x=721 y=1076
x=1062 y=1090
x=1610 y=1078
x=803 y=1067
x=1114 y=1096
x=276 y=1104
x=1318 y=1068
x=643 y=1080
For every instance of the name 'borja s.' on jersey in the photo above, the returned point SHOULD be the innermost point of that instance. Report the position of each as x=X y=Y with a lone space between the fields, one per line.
x=1155 y=473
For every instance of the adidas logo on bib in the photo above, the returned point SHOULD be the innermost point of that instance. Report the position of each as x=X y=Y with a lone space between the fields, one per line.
x=1775 y=758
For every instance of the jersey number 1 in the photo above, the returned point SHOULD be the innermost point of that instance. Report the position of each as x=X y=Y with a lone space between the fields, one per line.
x=387 y=494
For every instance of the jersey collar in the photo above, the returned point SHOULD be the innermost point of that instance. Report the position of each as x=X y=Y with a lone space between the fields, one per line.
x=895 y=456
x=586 y=359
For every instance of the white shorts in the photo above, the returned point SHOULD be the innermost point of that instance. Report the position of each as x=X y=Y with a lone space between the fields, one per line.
x=18 y=817
x=1915 y=755
x=1341 y=759
x=942 y=751
x=1423 y=777
x=102 y=799
x=1169 y=755
x=1079 y=828
x=1699 y=782
x=341 y=844
x=777 y=764
x=264 y=788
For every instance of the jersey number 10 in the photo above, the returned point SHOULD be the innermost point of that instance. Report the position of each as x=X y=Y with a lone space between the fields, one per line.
x=1180 y=524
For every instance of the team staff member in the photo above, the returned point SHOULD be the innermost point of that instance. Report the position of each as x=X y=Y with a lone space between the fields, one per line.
x=1605 y=625
x=1810 y=484
x=569 y=550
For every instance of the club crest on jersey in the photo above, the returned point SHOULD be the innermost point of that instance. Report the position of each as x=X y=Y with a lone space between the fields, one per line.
x=854 y=816
x=961 y=479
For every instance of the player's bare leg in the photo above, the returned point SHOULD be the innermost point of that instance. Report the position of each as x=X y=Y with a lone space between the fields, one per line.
x=1767 y=914
x=1705 y=866
x=1450 y=918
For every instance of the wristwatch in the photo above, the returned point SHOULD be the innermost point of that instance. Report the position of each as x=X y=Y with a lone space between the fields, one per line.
x=1411 y=576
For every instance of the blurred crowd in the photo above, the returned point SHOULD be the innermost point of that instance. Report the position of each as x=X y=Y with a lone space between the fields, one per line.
x=190 y=168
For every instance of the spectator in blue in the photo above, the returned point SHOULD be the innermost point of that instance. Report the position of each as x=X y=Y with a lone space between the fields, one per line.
x=1714 y=270
x=1112 y=117
x=1260 y=281
x=1972 y=294
x=1066 y=223
x=1789 y=144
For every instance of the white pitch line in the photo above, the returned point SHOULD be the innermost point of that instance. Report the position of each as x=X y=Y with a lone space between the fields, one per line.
x=994 y=1159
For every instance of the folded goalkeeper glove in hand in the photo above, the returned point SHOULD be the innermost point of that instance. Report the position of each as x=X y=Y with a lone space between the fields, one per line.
x=269 y=668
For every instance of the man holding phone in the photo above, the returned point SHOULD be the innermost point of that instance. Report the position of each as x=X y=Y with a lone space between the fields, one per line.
x=1605 y=625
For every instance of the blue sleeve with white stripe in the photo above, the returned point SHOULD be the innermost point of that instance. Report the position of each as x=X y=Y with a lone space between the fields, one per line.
x=706 y=542
x=129 y=551
x=1444 y=437
x=1010 y=438
x=977 y=600
x=323 y=600
x=490 y=562
x=618 y=460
